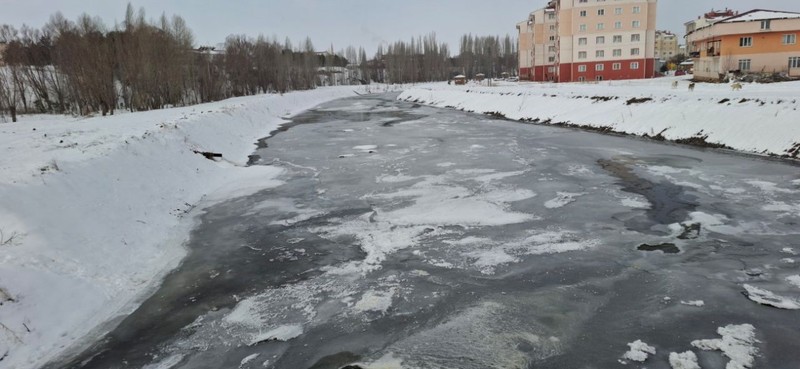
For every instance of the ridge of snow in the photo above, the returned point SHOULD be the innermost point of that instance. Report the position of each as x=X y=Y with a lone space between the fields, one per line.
x=101 y=207
x=672 y=114
x=769 y=298
x=685 y=360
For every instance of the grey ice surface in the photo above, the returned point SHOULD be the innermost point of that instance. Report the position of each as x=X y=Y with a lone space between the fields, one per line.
x=440 y=239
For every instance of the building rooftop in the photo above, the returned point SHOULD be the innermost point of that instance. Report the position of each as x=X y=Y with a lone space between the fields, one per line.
x=759 y=15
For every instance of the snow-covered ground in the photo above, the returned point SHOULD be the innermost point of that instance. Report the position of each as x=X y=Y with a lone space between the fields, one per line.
x=761 y=118
x=93 y=212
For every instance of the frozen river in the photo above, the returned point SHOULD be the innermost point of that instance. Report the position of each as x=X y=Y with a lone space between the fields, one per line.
x=413 y=237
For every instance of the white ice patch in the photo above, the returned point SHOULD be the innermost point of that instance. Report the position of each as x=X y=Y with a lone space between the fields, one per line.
x=365 y=147
x=632 y=202
x=788 y=261
x=248 y=359
x=167 y=363
x=445 y=165
x=508 y=195
x=282 y=333
x=686 y=360
x=498 y=176
x=639 y=351
x=788 y=250
x=375 y=301
x=769 y=298
x=794 y=280
x=696 y=303
x=562 y=199
x=388 y=361
x=769 y=187
x=394 y=178
x=737 y=343
x=487 y=260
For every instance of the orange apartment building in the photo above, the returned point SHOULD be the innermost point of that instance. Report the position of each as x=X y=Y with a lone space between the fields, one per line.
x=758 y=41
x=588 y=40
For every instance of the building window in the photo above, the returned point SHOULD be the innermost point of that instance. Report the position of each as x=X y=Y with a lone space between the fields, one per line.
x=599 y=54
x=551 y=69
x=583 y=13
x=582 y=68
x=634 y=65
x=617 y=11
x=745 y=42
x=599 y=67
x=601 y=12
x=744 y=65
x=581 y=79
x=617 y=52
x=617 y=25
x=600 y=40
x=636 y=37
x=618 y=39
x=790 y=39
x=582 y=55
x=794 y=62
x=765 y=24
x=551 y=48
x=635 y=51
x=601 y=26
x=552 y=27
x=637 y=9
x=551 y=59
x=598 y=78
x=582 y=41
x=616 y=66
x=551 y=16
x=582 y=28
x=552 y=38
x=636 y=24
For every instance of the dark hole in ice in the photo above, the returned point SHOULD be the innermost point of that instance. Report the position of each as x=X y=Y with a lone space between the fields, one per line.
x=667 y=248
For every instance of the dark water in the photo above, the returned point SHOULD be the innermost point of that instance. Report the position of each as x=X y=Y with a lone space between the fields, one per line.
x=447 y=240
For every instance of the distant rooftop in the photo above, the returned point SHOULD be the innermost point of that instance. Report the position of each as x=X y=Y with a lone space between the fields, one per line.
x=759 y=15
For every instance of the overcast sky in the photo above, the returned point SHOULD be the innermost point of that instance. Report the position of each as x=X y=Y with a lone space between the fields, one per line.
x=340 y=23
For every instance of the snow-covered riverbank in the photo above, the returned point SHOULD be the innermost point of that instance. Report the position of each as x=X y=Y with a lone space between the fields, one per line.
x=758 y=119
x=93 y=212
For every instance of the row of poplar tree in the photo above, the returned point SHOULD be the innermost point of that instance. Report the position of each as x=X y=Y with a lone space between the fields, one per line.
x=82 y=67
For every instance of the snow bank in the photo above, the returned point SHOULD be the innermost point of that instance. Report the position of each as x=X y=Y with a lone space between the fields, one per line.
x=94 y=211
x=758 y=119
x=737 y=343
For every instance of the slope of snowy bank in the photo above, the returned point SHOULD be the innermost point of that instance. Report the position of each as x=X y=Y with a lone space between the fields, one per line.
x=93 y=212
x=758 y=119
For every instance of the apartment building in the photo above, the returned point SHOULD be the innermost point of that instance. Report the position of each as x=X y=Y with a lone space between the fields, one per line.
x=760 y=41
x=589 y=40
x=666 y=45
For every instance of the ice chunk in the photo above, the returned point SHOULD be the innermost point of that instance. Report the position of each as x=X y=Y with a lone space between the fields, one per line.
x=377 y=301
x=248 y=359
x=794 y=280
x=639 y=351
x=282 y=333
x=769 y=298
x=562 y=199
x=686 y=360
x=737 y=343
x=698 y=303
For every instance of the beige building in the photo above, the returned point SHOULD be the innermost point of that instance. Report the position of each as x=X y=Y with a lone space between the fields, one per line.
x=589 y=40
x=666 y=45
x=758 y=41
x=703 y=21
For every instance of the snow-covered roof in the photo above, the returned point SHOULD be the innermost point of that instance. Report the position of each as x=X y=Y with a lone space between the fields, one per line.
x=759 y=15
